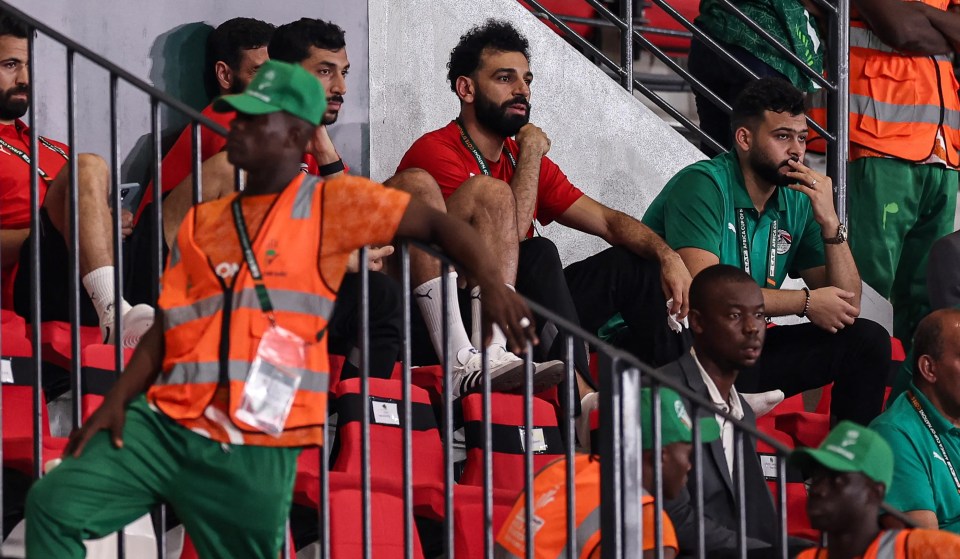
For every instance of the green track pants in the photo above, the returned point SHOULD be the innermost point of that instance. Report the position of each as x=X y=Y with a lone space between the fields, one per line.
x=233 y=500
x=897 y=210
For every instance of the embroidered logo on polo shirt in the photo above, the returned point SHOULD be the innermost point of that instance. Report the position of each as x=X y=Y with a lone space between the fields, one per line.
x=784 y=240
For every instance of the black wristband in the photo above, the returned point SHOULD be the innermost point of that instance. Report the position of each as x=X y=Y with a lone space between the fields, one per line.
x=331 y=168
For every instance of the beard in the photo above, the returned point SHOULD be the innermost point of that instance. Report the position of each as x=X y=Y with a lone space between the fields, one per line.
x=12 y=110
x=237 y=86
x=328 y=118
x=768 y=169
x=494 y=117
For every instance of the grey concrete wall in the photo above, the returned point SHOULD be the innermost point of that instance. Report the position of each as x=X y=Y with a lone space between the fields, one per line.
x=163 y=42
x=607 y=142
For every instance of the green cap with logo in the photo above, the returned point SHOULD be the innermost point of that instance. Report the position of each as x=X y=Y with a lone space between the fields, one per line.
x=675 y=423
x=279 y=86
x=850 y=447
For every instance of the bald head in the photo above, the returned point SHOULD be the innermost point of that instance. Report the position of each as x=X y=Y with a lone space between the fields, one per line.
x=935 y=334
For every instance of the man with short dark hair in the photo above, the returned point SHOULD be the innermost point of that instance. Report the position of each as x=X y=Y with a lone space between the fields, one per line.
x=507 y=187
x=761 y=209
x=727 y=313
x=922 y=427
x=230 y=384
x=95 y=240
x=850 y=474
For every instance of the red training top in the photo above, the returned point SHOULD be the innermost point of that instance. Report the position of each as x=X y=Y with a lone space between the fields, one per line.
x=442 y=154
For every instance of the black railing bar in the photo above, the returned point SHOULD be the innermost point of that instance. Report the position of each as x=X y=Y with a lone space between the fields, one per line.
x=159 y=516
x=680 y=117
x=665 y=32
x=364 y=364
x=35 y=265
x=577 y=39
x=407 y=381
x=285 y=545
x=626 y=45
x=629 y=360
x=528 y=505
x=487 y=444
x=196 y=162
x=782 y=507
x=113 y=68
x=697 y=496
x=581 y=20
x=611 y=468
x=323 y=502
x=157 y=225
x=73 y=238
x=570 y=480
x=827 y=5
x=776 y=44
x=116 y=208
x=447 y=361
x=739 y=483
x=657 y=415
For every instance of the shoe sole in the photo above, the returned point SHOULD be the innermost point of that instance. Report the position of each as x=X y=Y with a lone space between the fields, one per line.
x=512 y=380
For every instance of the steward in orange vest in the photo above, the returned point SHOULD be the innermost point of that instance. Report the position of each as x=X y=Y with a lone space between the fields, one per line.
x=904 y=142
x=850 y=473
x=550 y=498
x=235 y=366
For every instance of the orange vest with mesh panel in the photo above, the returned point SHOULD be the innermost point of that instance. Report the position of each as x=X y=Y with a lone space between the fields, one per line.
x=212 y=330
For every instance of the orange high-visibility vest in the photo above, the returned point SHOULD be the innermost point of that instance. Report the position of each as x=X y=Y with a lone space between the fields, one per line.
x=898 y=102
x=890 y=544
x=212 y=333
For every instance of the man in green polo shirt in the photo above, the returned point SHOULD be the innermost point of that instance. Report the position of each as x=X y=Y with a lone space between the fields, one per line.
x=921 y=426
x=758 y=207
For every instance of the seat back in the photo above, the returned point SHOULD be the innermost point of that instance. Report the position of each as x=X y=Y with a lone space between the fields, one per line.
x=386 y=432
x=508 y=438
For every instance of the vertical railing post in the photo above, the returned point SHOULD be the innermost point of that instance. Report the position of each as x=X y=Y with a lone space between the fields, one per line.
x=632 y=460
x=838 y=106
x=406 y=290
x=626 y=45
x=611 y=474
x=35 y=262
x=365 y=399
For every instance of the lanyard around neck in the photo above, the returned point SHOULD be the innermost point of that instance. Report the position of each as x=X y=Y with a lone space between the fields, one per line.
x=262 y=295
x=936 y=437
x=771 y=280
x=481 y=162
x=26 y=158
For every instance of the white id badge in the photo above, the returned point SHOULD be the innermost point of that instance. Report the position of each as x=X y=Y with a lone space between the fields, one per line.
x=273 y=381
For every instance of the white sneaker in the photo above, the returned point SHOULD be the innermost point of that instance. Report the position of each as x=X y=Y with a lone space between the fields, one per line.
x=136 y=322
x=588 y=403
x=506 y=373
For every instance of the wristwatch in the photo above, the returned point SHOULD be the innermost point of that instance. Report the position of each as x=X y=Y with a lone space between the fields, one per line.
x=839 y=239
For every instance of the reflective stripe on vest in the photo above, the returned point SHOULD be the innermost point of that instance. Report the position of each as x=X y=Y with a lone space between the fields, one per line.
x=585 y=531
x=209 y=372
x=863 y=38
x=887 y=548
x=302 y=209
x=282 y=300
x=890 y=112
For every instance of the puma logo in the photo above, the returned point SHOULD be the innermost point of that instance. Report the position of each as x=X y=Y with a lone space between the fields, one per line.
x=938 y=457
x=424 y=295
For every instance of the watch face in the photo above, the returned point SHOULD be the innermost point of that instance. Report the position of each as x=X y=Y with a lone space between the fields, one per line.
x=842 y=233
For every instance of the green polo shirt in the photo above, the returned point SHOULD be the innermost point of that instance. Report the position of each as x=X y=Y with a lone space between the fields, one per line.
x=700 y=208
x=921 y=478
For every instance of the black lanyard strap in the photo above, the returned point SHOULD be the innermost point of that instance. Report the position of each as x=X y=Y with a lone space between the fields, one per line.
x=771 y=280
x=472 y=148
x=936 y=437
x=262 y=295
x=26 y=158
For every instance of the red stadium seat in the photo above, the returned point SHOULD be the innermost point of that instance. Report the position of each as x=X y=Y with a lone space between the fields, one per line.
x=507 y=416
x=18 y=430
x=656 y=17
x=576 y=8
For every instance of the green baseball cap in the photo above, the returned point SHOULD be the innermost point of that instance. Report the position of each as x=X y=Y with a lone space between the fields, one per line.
x=279 y=86
x=675 y=423
x=850 y=447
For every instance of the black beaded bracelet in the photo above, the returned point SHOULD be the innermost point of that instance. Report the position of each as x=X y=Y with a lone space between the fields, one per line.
x=806 y=304
x=331 y=168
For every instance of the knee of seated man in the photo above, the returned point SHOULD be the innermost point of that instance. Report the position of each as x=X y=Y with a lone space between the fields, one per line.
x=43 y=498
x=414 y=181
x=91 y=164
x=488 y=191
x=385 y=297
x=869 y=334
x=540 y=251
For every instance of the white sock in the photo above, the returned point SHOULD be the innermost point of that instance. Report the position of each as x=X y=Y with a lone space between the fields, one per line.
x=99 y=285
x=499 y=339
x=428 y=296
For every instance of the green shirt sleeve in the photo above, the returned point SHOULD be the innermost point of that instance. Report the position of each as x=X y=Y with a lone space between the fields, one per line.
x=809 y=253
x=693 y=213
x=911 y=488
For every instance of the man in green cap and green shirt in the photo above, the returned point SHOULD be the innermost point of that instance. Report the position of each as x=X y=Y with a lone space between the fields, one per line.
x=759 y=208
x=850 y=473
x=922 y=427
x=235 y=366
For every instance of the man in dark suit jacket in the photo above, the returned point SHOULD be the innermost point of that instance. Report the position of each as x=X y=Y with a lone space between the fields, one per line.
x=728 y=325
